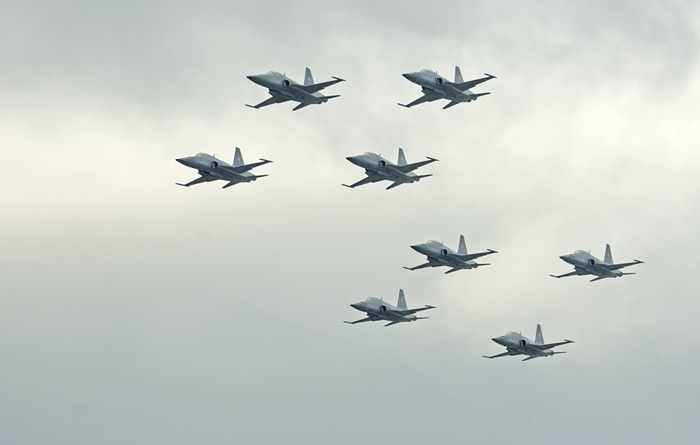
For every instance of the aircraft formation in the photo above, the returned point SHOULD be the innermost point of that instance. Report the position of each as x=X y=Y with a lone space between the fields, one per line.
x=434 y=87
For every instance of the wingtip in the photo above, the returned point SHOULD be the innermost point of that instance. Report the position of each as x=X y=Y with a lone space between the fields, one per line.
x=554 y=276
x=266 y=160
x=339 y=79
x=491 y=76
x=492 y=251
x=252 y=106
x=348 y=186
x=486 y=356
x=433 y=159
x=402 y=105
x=408 y=268
x=184 y=185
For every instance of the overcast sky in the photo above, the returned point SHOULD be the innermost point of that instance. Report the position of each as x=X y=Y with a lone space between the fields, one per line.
x=136 y=311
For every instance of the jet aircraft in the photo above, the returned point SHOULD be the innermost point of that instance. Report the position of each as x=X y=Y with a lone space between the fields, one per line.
x=440 y=255
x=212 y=169
x=379 y=169
x=283 y=89
x=377 y=310
x=437 y=87
x=517 y=344
x=586 y=264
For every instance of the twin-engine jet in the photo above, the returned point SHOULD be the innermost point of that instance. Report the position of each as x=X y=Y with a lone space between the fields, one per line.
x=377 y=310
x=586 y=264
x=517 y=344
x=440 y=255
x=213 y=169
x=437 y=87
x=379 y=169
x=283 y=89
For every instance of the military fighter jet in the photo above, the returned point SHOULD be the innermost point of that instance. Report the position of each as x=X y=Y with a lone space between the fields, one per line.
x=212 y=169
x=517 y=344
x=283 y=89
x=379 y=169
x=437 y=87
x=377 y=310
x=440 y=255
x=586 y=264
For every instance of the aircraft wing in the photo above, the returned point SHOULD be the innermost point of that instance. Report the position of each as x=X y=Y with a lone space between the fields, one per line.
x=428 y=264
x=359 y=321
x=367 y=180
x=550 y=345
x=244 y=168
x=428 y=96
x=621 y=265
x=318 y=86
x=505 y=354
x=410 y=167
x=471 y=256
x=201 y=179
x=570 y=274
x=472 y=83
x=411 y=311
x=275 y=99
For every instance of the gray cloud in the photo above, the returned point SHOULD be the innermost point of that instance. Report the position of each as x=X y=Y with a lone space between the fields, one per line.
x=134 y=310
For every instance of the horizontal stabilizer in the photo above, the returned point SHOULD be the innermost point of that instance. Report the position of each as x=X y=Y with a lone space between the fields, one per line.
x=411 y=311
x=410 y=167
x=472 y=83
x=621 y=265
x=316 y=87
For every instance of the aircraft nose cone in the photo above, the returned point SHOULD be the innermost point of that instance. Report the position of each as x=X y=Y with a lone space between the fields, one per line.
x=352 y=159
x=182 y=161
x=416 y=247
x=411 y=76
x=255 y=78
x=356 y=306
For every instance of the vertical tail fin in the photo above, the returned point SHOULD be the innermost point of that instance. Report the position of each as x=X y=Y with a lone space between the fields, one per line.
x=308 y=78
x=539 y=339
x=401 y=305
x=458 y=75
x=402 y=158
x=608 y=254
x=237 y=158
x=462 y=246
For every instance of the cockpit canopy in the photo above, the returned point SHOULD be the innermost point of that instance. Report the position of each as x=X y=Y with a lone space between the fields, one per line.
x=581 y=251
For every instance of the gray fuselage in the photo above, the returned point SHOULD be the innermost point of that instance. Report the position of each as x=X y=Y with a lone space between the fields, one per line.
x=587 y=264
x=376 y=165
x=209 y=165
x=518 y=343
x=435 y=83
x=440 y=255
x=377 y=309
x=281 y=85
